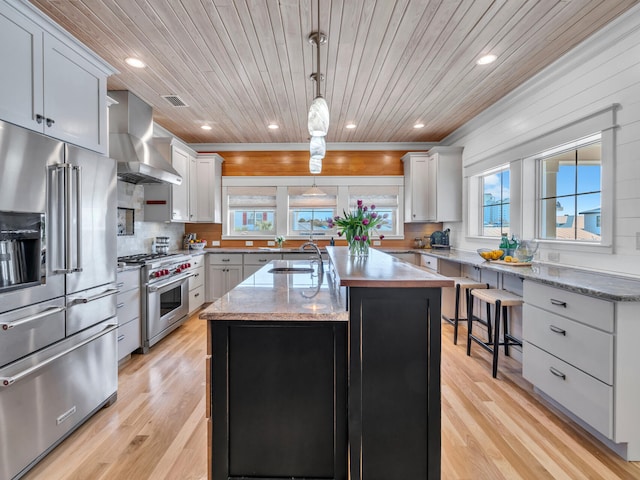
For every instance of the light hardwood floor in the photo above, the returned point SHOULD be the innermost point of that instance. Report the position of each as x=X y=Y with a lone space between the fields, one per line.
x=491 y=428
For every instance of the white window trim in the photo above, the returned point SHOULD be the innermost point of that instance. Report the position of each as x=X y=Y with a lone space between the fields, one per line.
x=282 y=210
x=475 y=201
x=530 y=198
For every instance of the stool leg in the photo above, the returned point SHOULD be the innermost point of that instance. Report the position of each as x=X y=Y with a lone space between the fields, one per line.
x=496 y=339
x=505 y=320
x=489 y=335
x=469 y=321
x=456 y=316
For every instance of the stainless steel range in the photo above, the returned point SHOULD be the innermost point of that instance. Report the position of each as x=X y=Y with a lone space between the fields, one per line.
x=164 y=282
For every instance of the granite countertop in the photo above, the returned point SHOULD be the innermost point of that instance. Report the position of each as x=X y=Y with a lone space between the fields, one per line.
x=267 y=296
x=256 y=250
x=596 y=284
x=381 y=270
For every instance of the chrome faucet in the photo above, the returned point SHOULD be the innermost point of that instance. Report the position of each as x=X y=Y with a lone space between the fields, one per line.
x=316 y=249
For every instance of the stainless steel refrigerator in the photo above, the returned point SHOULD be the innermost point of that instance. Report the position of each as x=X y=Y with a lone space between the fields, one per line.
x=58 y=347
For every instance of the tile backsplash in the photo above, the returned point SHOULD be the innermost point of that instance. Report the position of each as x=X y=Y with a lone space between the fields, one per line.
x=132 y=196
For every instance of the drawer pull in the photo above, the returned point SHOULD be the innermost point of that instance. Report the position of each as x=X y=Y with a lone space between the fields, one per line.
x=120 y=338
x=226 y=259
x=558 y=303
x=262 y=260
x=120 y=305
x=557 y=373
x=196 y=295
x=555 y=329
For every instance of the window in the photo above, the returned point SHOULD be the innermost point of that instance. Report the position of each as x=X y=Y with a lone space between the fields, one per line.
x=251 y=210
x=386 y=200
x=570 y=193
x=308 y=214
x=495 y=201
x=263 y=207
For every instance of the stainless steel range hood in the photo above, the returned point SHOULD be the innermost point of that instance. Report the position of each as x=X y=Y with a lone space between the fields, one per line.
x=130 y=132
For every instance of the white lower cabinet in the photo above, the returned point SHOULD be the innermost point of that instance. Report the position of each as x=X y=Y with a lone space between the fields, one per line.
x=582 y=353
x=255 y=261
x=224 y=271
x=128 y=311
x=196 y=283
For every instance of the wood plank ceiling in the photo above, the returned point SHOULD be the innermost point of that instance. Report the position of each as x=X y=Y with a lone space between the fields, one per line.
x=242 y=64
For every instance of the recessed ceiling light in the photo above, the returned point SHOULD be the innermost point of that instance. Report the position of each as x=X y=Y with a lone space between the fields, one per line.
x=486 y=59
x=418 y=125
x=350 y=126
x=135 y=62
x=206 y=127
x=273 y=126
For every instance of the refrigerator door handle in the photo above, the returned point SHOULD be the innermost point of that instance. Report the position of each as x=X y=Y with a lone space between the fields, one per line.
x=68 y=195
x=7 y=381
x=78 y=219
x=31 y=318
x=106 y=293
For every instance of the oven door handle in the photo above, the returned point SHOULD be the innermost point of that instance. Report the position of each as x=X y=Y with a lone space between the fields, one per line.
x=31 y=318
x=156 y=287
x=8 y=381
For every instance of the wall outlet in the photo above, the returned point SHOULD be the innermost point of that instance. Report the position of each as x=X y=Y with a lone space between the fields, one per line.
x=377 y=243
x=215 y=243
x=249 y=243
x=271 y=243
x=554 y=257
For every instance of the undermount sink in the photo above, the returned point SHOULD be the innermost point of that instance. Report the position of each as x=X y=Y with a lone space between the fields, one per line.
x=291 y=270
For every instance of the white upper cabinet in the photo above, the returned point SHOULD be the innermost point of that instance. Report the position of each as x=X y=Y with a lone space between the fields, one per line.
x=208 y=189
x=433 y=185
x=170 y=203
x=415 y=187
x=50 y=83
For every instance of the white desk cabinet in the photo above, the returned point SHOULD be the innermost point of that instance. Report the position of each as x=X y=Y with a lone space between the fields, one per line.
x=581 y=352
x=50 y=82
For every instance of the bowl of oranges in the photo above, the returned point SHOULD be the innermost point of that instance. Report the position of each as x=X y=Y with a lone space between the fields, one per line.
x=489 y=254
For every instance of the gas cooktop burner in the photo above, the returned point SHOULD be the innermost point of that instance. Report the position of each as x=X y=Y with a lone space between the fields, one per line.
x=142 y=258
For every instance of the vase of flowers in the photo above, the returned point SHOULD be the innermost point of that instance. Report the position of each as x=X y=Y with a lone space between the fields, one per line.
x=358 y=226
x=280 y=240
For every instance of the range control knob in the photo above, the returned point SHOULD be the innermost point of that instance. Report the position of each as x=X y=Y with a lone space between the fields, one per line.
x=156 y=274
x=178 y=270
x=165 y=271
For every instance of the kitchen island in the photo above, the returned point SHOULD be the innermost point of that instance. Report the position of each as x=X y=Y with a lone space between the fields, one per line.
x=313 y=373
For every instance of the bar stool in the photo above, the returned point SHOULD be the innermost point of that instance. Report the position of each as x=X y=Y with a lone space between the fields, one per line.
x=502 y=300
x=466 y=284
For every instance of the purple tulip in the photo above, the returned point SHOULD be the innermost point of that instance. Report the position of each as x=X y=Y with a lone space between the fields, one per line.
x=373 y=207
x=365 y=208
x=364 y=238
x=374 y=214
x=357 y=238
x=365 y=221
x=359 y=203
x=381 y=237
x=339 y=234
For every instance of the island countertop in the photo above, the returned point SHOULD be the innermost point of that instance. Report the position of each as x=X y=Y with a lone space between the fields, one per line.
x=379 y=270
x=266 y=296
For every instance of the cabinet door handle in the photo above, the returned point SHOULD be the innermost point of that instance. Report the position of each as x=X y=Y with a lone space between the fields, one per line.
x=557 y=373
x=558 y=303
x=39 y=118
x=555 y=329
x=50 y=122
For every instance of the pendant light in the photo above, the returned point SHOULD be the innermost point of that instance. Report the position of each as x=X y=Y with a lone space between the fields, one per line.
x=318 y=120
x=314 y=191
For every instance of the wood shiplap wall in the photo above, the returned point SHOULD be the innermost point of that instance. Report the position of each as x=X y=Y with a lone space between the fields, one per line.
x=603 y=71
x=296 y=163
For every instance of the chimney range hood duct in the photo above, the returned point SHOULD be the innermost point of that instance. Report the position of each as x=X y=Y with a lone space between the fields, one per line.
x=130 y=133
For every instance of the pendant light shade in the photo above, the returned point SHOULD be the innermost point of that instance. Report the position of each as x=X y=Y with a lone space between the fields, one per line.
x=317 y=147
x=314 y=191
x=315 y=165
x=318 y=117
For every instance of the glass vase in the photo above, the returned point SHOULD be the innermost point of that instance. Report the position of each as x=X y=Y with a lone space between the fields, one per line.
x=359 y=248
